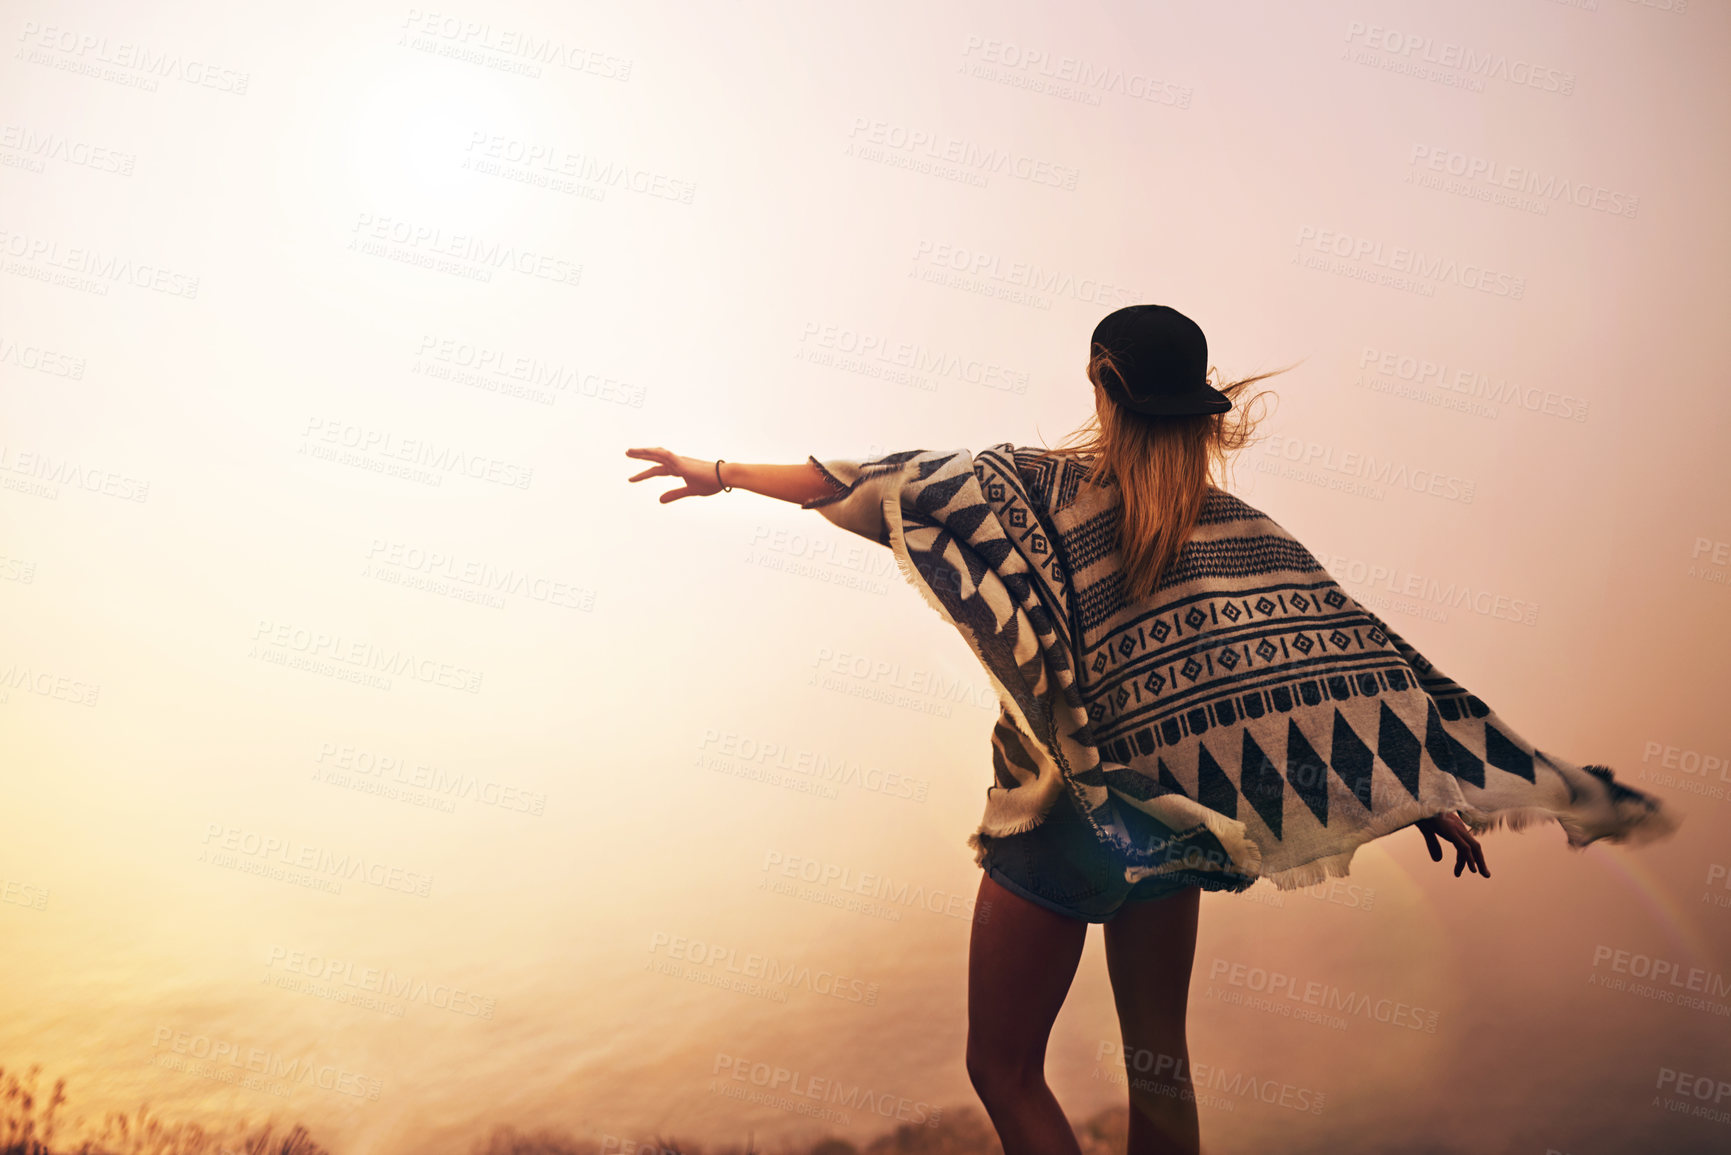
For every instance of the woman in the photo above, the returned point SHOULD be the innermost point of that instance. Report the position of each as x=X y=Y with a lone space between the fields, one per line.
x=1190 y=702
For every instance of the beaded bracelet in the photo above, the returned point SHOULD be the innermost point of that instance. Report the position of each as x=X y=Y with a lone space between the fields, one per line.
x=725 y=488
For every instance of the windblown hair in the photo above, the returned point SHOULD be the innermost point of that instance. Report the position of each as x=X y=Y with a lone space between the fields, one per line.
x=1163 y=466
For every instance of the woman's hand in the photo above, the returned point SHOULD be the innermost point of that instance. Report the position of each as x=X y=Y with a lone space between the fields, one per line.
x=698 y=475
x=1468 y=853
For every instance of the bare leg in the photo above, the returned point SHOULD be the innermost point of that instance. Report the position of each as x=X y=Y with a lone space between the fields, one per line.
x=1021 y=960
x=1150 y=947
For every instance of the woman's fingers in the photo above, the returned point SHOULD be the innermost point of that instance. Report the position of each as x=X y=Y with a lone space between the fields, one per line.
x=1469 y=855
x=662 y=458
x=667 y=465
x=1451 y=829
x=1470 y=850
x=1479 y=856
x=692 y=471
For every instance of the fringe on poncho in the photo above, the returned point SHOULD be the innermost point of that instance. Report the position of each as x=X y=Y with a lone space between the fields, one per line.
x=1250 y=719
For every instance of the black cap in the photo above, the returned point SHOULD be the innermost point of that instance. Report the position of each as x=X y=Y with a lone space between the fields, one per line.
x=1163 y=356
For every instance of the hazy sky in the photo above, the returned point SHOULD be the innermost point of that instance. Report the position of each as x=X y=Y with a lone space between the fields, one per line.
x=373 y=754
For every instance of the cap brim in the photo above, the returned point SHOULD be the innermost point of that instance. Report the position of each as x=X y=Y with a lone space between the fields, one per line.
x=1193 y=405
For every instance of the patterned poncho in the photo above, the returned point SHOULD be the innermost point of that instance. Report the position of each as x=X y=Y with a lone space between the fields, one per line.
x=1248 y=719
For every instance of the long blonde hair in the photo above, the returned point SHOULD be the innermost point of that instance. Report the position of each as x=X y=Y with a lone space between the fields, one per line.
x=1163 y=467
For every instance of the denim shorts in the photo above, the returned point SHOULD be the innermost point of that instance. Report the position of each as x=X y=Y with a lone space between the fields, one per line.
x=1062 y=865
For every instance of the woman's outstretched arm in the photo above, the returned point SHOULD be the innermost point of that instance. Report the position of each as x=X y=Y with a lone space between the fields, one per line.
x=796 y=483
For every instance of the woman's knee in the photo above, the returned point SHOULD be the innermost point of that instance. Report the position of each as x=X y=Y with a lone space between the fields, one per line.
x=998 y=1073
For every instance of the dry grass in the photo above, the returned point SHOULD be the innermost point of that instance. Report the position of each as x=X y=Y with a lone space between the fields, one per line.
x=32 y=1125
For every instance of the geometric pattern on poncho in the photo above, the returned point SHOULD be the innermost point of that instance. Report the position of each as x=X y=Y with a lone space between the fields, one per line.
x=1249 y=718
